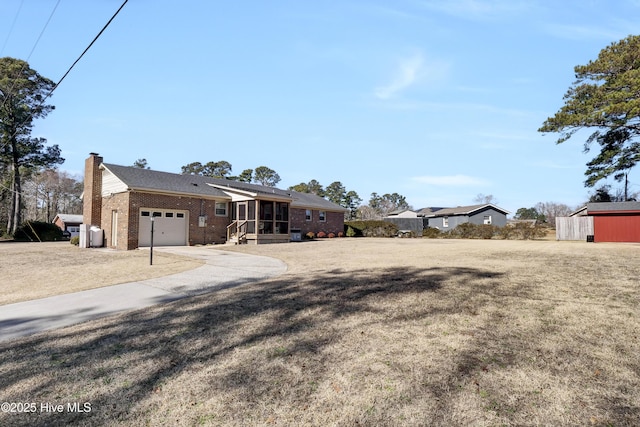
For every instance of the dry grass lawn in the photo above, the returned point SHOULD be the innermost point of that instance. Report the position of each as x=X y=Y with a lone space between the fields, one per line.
x=37 y=270
x=371 y=332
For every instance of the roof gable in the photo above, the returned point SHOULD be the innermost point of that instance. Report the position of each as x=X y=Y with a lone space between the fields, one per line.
x=579 y=212
x=402 y=213
x=68 y=218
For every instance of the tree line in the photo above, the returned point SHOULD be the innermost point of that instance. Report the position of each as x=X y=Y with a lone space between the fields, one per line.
x=336 y=192
x=605 y=99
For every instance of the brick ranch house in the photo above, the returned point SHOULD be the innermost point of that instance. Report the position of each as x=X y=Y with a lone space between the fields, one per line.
x=191 y=209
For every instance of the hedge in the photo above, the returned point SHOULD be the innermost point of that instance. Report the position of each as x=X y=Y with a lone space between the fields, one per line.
x=519 y=231
x=34 y=231
x=370 y=229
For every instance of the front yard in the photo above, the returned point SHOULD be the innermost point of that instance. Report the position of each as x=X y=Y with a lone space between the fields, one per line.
x=379 y=332
x=37 y=270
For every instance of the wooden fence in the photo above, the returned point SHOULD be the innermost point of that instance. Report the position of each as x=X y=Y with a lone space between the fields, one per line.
x=574 y=227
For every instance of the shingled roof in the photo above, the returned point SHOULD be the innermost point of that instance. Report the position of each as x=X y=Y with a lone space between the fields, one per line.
x=462 y=210
x=307 y=200
x=613 y=207
x=196 y=185
x=149 y=180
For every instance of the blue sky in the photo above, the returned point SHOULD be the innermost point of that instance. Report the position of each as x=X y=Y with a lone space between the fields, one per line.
x=435 y=100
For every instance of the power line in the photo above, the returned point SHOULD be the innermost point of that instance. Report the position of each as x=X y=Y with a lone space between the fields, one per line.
x=55 y=86
x=13 y=24
x=43 y=29
x=32 y=49
x=85 y=51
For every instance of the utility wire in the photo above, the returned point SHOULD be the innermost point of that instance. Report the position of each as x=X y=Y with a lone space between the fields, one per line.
x=72 y=65
x=13 y=24
x=32 y=49
x=43 y=29
x=85 y=51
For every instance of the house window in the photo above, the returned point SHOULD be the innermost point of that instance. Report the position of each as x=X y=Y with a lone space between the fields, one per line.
x=221 y=208
x=322 y=216
x=307 y=215
x=487 y=219
x=445 y=221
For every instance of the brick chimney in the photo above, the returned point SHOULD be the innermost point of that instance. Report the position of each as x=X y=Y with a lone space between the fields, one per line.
x=92 y=201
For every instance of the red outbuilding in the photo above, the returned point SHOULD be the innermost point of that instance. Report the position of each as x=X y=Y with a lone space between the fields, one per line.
x=616 y=221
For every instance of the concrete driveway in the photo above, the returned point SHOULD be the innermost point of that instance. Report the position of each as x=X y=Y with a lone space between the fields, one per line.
x=221 y=270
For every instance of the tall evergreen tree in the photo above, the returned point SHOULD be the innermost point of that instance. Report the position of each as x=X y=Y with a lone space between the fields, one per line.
x=606 y=99
x=23 y=94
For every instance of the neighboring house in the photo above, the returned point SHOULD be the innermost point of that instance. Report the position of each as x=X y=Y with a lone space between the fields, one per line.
x=449 y=218
x=402 y=213
x=124 y=201
x=68 y=223
x=615 y=221
x=406 y=220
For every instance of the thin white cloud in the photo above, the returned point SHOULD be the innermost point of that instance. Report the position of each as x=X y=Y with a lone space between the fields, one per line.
x=506 y=136
x=402 y=104
x=451 y=180
x=478 y=9
x=406 y=75
x=549 y=164
x=580 y=32
x=411 y=71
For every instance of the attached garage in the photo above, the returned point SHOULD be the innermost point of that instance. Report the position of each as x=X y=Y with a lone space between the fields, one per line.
x=615 y=222
x=170 y=227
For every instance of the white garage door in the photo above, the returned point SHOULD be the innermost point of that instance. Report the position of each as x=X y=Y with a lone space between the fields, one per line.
x=169 y=227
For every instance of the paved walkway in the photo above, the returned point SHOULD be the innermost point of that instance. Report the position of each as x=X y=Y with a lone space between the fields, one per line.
x=221 y=270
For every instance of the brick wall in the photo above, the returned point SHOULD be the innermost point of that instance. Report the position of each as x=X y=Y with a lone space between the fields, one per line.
x=59 y=224
x=334 y=222
x=120 y=203
x=128 y=207
x=92 y=200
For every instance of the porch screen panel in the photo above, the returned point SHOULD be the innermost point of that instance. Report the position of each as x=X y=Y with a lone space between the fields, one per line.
x=251 y=217
x=282 y=218
x=266 y=217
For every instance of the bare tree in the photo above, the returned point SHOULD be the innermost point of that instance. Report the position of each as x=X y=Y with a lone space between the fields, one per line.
x=485 y=198
x=49 y=192
x=551 y=210
x=366 y=212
